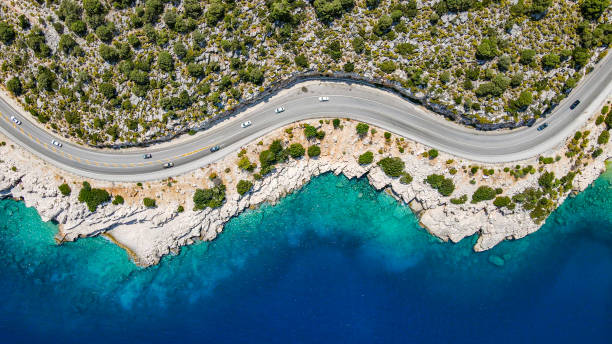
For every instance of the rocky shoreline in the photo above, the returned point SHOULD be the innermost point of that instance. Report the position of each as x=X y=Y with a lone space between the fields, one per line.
x=148 y=234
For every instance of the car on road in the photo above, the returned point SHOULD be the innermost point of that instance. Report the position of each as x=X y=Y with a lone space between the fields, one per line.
x=147 y=156
x=168 y=165
x=279 y=110
x=246 y=124
x=214 y=148
x=574 y=104
x=323 y=98
x=56 y=143
x=542 y=126
x=14 y=119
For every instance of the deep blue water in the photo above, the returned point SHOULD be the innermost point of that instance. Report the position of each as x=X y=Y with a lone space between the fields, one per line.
x=335 y=262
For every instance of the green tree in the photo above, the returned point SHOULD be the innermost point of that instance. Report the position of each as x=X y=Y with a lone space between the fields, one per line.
x=593 y=9
x=551 y=61
x=216 y=12
x=393 y=167
x=580 y=56
x=165 y=62
x=108 y=90
x=483 y=193
x=432 y=153
x=301 y=61
x=149 y=202
x=296 y=150
x=65 y=189
x=14 y=86
x=527 y=56
x=366 y=158
x=67 y=43
x=445 y=186
x=487 y=49
x=118 y=199
x=362 y=129
x=46 y=79
x=383 y=25
x=502 y=201
x=314 y=151
x=387 y=66
x=604 y=137
x=213 y=198
x=244 y=186
x=7 y=33
x=93 y=197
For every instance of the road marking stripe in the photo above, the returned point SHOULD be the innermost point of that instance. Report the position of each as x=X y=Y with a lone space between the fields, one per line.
x=196 y=151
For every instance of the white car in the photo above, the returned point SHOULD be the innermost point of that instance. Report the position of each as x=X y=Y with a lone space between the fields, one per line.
x=168 y=165
x=246 y=124
x=279 y=110
x=14 y=119
x=56 y=143
x=323 y=98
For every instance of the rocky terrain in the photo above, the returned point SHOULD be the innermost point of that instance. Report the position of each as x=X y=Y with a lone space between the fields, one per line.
x=121 y=72
x=148 y=233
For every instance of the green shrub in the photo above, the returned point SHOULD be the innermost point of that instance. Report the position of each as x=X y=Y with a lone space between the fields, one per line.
x=296 y=150
x=93 y=197
x=336 y=123
x=65 y=189
x=148 y=202
x=605 y=109
x=180 y=209
x=213 y=198
x=483 y=193
x=14 y=86
x=366 y=158
x=244 y=186
x=314 y=151
x=387 y=135
x=362 y=129
x=600 y=119
x=406 y=178
x=393 y=167
x=432 y=153
x=597 y=153
x=444 y=186
x=310 y=131
x=118 y=199
x=604 y=137
x=459 y=200
x=501 y=201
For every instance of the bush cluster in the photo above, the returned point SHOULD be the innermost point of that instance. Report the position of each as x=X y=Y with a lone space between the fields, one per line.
x=93 y=197
x=65 y=189
x=445 y=186
x=483 y=193
x=213 y=197
x=244 y=186
x=393 y=167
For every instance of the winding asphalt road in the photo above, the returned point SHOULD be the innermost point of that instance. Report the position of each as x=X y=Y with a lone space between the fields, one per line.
x=347 y=100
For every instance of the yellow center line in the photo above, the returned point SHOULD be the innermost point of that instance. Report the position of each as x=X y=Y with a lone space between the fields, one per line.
x=38 y=141
x=196 y=151
x=123 y=165
x=30 y=135
x=21 y=129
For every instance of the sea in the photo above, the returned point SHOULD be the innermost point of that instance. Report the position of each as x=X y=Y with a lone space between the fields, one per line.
x=336 y=262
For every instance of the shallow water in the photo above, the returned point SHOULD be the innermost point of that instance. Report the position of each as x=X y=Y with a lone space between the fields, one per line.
x=336 y=261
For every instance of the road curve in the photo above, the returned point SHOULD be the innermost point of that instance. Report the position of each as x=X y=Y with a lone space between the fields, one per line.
x=347 y=100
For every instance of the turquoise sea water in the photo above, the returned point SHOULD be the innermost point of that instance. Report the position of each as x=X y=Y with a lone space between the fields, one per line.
x=334 y=262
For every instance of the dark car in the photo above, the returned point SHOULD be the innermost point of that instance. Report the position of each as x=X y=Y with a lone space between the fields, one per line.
x=147 y=156
x=542 y=126
x=574 y=104
x=215 y=148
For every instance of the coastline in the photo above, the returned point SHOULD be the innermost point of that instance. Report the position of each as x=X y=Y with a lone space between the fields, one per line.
x=150 y=233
